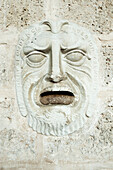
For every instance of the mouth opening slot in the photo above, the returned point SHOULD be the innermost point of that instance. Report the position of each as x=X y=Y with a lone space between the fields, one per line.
x=56 y=97
x=65 y=93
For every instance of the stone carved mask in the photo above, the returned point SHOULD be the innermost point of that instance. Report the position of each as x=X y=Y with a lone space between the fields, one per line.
x=56 y=76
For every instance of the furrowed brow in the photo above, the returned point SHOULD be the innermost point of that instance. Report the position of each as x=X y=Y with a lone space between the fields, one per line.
x=69 y=49
x=82 y=50
x=32 y=47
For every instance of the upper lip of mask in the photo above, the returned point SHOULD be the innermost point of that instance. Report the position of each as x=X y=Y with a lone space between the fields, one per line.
x=55 y=89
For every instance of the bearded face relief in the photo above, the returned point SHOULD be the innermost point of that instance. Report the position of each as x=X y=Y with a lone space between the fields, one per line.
x=56 y=77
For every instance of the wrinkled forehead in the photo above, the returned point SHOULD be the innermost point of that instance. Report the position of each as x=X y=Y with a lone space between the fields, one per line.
x=67 y=35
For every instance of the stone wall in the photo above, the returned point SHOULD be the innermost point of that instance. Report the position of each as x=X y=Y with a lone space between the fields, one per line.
x=20 y=146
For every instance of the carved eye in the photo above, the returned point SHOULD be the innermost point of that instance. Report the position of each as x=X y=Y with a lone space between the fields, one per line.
x=35 y=59
x=74 y=57
x=77 y=58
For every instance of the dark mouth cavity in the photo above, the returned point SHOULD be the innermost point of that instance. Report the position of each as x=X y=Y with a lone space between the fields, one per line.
x=56 y=98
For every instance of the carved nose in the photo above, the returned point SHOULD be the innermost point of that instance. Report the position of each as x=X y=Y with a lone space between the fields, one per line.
x=55 y=72
x=55 y=78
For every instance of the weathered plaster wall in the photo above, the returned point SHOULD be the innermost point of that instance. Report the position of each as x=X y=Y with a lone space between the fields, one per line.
x=20 y=146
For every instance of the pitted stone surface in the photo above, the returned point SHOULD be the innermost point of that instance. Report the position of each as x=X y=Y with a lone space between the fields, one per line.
x=20 y=146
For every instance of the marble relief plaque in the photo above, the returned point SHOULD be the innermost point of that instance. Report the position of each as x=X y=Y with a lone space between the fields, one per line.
x=56 y=76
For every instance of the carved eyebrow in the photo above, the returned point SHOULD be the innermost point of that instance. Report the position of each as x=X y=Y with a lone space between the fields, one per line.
x=66 y=50
x=69 y=50
x=32 y=47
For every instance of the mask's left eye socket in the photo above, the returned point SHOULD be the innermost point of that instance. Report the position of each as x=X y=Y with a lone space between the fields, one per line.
x=76 y=57
x=35 y=59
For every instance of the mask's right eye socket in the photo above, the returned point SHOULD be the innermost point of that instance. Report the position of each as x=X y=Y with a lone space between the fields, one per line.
x=35 y=59
x=76 y=57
